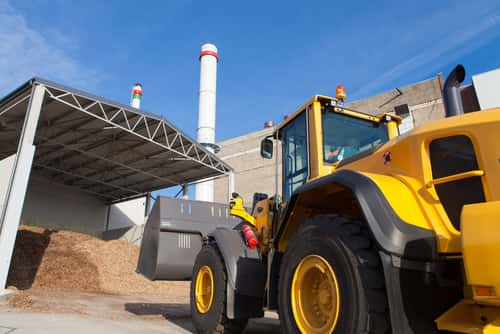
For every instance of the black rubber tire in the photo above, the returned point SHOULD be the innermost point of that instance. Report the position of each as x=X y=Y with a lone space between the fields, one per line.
x=215 y=320
x=347 y=245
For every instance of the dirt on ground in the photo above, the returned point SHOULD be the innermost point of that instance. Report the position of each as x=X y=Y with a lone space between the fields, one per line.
x=65 y=260
x=100 y=305
x=168 y=312
x=62 y=272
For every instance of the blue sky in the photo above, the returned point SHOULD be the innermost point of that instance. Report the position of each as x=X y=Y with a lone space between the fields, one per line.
x=274 y=55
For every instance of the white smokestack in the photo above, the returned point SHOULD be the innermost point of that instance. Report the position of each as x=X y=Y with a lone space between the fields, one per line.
x=136 y=96
x=206 y=112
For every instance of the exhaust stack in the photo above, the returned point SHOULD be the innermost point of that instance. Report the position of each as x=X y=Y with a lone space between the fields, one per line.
x=209 y=57
x=135 y=99
x=452 y=97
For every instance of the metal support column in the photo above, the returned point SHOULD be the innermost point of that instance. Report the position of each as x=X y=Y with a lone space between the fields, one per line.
x=185 y=191
x=16 y=192
x=230 y=185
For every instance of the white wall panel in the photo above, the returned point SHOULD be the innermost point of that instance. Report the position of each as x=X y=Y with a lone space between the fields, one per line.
x=127 y=214
x=487 y=86
x=57 y=206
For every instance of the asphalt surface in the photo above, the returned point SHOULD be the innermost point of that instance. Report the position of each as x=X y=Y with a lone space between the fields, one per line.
x=15 y=322
x=41 y=312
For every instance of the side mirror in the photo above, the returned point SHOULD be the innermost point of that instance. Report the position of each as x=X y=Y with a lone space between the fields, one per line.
x=266 y=148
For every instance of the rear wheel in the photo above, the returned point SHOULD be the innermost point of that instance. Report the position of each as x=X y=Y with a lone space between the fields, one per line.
x=331 y=280
x=208 y=294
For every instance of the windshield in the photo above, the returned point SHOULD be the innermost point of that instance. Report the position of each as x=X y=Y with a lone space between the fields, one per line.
x=344 y=136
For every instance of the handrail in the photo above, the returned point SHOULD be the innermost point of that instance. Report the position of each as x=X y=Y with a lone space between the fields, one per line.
x=455 y=177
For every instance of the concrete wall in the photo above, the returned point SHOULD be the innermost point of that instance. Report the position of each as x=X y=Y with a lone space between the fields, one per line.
x=424 y=99
x=469 y=99
x=415 y=94
x=252 y=172
x=57 y=206
x=126 y=214
x=428 y=111
x=126 y=220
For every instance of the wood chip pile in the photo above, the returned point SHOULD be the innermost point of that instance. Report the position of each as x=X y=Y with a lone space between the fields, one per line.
x=64 y=260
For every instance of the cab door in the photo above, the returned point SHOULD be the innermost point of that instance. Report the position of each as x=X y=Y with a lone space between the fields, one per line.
x=295 y=155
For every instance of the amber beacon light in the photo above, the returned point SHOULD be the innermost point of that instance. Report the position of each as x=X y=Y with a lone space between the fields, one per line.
x=340 y=94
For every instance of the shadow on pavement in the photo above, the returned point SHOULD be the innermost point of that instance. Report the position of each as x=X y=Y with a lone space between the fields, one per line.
x=178 y=314
x=263 y=325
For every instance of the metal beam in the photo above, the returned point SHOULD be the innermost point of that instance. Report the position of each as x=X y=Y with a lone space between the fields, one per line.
x=152 y=189
x=160 y=129
x=104 y=195
x=14 y=104
x=126 y=199
x=150 y=168
x=69 y=147
x=62 y=171
x=150 y=179
x=230 y=185
x=113 y=155
x=127 y=163
x=77 y=140
x=128 y=149
x=130 y=161
x=16 y=193
x=65 y=114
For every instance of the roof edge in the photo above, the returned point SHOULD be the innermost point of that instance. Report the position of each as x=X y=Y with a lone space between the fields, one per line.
x=17 y=91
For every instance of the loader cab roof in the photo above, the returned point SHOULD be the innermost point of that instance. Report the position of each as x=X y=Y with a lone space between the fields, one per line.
x=339 y=108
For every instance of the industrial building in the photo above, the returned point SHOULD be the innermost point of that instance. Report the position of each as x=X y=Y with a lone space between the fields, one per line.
x=70 y=159
x=417 y=104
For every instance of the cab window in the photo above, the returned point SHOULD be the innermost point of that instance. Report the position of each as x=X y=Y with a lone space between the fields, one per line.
x=344 y=136
x=450 y=156
x=295 y=164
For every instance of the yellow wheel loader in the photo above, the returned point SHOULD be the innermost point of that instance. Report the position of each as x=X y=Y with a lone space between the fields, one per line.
x=373 y=232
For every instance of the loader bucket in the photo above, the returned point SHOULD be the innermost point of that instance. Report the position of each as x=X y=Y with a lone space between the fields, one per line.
x=174 y=234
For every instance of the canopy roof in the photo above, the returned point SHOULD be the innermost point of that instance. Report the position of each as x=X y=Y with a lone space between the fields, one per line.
x=102 y=147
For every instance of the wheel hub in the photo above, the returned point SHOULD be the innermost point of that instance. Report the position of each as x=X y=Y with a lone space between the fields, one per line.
x=204 y=289
x=315 y=296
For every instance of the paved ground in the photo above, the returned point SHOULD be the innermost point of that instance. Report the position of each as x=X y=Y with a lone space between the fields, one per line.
x=42 y=323
x=42 y=312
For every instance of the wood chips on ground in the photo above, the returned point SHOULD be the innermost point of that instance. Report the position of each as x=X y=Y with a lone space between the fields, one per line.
x=64 y=260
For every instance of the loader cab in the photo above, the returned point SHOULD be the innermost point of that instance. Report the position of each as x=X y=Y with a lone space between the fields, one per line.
x=322 y=135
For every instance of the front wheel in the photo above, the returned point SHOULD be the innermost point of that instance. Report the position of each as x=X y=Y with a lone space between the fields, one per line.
x=208 y=295
x=331 y=280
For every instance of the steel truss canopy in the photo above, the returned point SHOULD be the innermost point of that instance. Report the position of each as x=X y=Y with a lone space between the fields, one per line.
x=102 y=147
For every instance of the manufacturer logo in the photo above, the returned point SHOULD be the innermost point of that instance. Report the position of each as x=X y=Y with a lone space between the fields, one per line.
x=387 y=158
